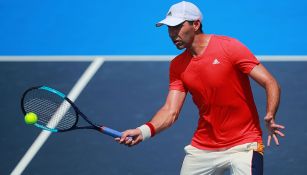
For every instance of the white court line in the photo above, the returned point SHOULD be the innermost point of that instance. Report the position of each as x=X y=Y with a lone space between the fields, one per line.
x=46 y=58
x=274 y=58
x=43 y=136
x=170 y=57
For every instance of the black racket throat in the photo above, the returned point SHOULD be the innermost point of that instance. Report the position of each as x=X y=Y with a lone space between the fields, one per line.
x=91 y=126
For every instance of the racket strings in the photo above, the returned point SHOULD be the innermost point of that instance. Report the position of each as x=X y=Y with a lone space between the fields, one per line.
x=52 y=110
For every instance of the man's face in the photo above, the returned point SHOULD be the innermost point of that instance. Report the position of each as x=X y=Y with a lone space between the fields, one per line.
x=182 y=35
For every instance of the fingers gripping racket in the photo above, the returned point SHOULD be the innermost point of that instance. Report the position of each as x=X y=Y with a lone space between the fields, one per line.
x=56 y=112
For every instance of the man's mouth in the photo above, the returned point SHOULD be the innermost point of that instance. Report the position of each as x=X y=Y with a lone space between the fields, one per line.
x=177 y=42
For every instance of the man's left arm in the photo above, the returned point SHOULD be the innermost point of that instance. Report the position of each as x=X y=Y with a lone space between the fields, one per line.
x=262 y=76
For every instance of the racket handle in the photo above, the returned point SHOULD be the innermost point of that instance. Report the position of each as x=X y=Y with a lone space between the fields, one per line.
x=112 y=132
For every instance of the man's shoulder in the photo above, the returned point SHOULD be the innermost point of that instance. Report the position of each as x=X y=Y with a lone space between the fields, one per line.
x=180 y=62
x=227 y=42
x=223 y=38
x=178 y=58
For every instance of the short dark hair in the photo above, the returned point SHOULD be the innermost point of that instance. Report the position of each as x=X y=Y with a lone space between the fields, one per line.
x=200 y=28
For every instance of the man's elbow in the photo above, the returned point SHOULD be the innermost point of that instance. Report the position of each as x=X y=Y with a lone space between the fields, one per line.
x=273 y=84
x=277 y=85
x=279 y=88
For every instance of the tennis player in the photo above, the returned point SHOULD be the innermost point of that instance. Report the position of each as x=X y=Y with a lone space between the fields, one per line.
x=215 y=70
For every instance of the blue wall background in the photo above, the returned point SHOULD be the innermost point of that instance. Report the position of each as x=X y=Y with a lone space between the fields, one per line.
x=97 y=27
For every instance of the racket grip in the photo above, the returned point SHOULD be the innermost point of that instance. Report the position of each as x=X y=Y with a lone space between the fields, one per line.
x=112 y=132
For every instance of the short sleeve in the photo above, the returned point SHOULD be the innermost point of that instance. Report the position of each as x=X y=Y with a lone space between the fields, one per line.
x=175 y=81
x=241 y=56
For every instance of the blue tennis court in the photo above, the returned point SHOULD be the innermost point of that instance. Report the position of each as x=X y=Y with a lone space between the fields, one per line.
x=54 y=43
x=120 y=98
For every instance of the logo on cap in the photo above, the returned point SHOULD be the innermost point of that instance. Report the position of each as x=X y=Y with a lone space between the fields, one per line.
x=169 y=13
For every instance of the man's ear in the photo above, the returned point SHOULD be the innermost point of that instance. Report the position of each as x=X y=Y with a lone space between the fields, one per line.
x=196 y=25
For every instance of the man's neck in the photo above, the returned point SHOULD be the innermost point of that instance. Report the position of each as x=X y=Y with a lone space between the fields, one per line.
x=199 y=44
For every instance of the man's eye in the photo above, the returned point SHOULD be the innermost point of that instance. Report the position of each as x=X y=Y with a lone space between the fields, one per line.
x=178 y=26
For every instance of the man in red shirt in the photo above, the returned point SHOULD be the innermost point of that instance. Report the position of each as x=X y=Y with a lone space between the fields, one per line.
x=215 y=70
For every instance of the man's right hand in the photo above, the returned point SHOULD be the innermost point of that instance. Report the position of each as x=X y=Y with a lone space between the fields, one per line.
x=135 y=134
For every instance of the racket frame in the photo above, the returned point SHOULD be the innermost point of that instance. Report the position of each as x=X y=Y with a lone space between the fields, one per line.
x=102 y=129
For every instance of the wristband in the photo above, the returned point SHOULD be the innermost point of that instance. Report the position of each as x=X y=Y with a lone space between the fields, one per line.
x=152 y=129
x=147 y=130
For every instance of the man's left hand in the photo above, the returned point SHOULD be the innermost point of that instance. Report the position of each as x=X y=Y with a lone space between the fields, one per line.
x=273 y=129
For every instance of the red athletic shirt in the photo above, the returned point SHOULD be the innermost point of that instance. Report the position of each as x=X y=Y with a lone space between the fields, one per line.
x=219 y=84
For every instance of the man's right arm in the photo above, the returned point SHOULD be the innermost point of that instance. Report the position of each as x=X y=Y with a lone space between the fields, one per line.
x=163 y=119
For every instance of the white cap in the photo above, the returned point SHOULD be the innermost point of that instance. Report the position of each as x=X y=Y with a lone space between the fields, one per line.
x=180 y=12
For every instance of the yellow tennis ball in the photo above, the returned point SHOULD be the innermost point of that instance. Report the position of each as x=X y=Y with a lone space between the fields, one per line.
x=31 y=118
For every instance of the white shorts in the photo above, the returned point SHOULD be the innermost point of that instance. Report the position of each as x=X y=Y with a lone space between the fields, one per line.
x=243 y=159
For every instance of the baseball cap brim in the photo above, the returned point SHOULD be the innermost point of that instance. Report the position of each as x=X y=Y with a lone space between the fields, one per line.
x=170 y=21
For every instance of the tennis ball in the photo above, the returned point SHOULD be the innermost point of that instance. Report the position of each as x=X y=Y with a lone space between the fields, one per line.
x=31 y=118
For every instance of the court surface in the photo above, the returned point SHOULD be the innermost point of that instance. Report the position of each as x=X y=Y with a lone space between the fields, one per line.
x=125 y=94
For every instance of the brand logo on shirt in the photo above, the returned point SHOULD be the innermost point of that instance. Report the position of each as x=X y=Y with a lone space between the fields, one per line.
x=216 y=61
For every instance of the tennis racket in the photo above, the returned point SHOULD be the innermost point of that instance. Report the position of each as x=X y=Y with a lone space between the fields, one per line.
x=56 y=112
